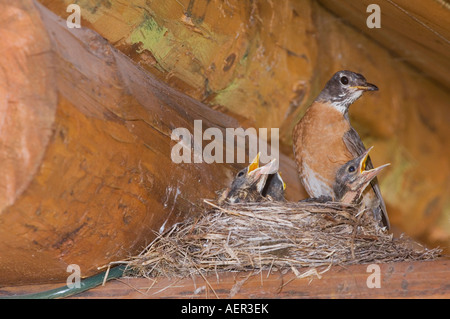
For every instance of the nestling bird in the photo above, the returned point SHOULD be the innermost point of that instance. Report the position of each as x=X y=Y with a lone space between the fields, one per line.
x=352 y=178
x=275 y=186
x=324 y=140
x=249 y=182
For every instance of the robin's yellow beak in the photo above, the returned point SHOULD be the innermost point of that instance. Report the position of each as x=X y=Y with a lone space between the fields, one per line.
x=367 y=176
x=254 y=164
x=260 y=174
x=366 y=87
x=363 y=162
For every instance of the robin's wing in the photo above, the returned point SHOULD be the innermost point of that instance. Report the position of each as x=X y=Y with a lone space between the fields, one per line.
x=355 y=145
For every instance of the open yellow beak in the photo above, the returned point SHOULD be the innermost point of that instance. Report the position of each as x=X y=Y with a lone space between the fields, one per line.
x=254 y=164
x=370 y=174
x=363 y=163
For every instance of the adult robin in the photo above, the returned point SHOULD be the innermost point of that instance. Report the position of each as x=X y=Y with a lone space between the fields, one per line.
x=248 y=184
x=324 y=140
x=352 y=178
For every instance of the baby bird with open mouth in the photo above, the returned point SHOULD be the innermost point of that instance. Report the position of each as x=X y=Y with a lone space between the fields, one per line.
x=249 y=183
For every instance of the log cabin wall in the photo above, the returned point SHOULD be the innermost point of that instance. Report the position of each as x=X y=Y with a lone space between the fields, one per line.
x=254 y=63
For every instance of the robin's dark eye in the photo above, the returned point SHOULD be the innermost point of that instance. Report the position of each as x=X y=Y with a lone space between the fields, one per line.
x=351 y=169
x=240 y=174
x=344 y=80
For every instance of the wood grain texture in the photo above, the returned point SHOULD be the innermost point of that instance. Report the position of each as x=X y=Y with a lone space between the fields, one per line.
x=429 y=279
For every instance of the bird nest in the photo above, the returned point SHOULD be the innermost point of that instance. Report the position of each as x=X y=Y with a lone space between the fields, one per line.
x=273 y=236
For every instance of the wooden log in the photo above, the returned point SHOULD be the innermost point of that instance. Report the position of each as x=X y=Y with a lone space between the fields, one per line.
x=87 y=151
x=430 y=279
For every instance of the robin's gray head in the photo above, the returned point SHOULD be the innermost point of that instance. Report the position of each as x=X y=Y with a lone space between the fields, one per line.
x=344 y=88
x=352 y=178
